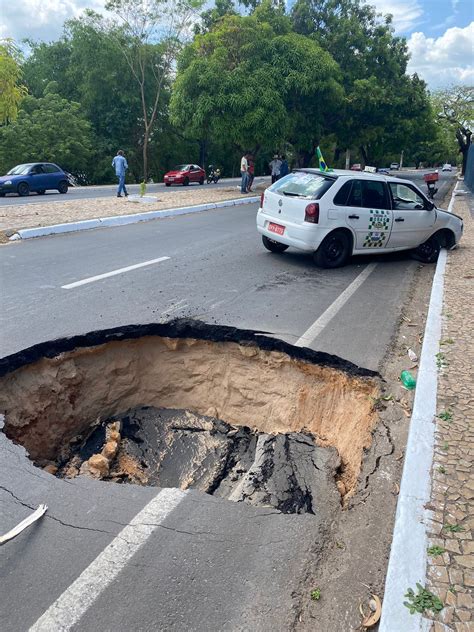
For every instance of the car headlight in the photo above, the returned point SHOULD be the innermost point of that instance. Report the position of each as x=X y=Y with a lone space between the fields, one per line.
x=7 y=182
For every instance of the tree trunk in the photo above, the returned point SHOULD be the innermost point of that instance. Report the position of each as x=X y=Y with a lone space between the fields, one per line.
x=304 y=158
x=145 y=156
x=364 y=155
x=202 y=153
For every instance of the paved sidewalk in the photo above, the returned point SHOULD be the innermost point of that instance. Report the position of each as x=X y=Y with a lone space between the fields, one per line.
x=450 y=569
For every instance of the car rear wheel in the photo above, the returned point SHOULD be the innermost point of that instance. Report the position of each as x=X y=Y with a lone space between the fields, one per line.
x=2 y=194
x=428 y=251
x=63 y=187
x=185 y=182
x=273 y=246
x=41 y=192
x=23 y=189
x=201 y=181
x=334 y=251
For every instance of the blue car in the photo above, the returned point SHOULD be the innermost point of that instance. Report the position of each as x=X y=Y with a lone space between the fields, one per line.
x=34 y=176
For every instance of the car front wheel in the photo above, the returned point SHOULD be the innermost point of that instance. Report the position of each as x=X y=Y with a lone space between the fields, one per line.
x=428 y=251
x=41 y=192
x=273 y=246
x=23 y=189
x=167 y=184
x=201 y=181
x=185 y=182
x=62 y=187
x=334 y=251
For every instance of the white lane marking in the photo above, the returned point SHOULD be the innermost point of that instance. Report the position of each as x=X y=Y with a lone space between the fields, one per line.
x=66 y=611
x=98 y=277
x=319 y=324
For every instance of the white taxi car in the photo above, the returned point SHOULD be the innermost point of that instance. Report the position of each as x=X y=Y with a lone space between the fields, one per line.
x=339 y=213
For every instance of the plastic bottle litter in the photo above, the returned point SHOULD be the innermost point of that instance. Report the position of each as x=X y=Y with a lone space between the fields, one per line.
x=407 y=380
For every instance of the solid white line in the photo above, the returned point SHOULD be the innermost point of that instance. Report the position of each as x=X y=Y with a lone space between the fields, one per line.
x=66 y=611
x=319 y=324
x=98 y=277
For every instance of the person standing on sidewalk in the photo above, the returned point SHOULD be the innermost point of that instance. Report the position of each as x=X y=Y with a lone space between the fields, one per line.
x=251 y=173
x=120 y=164
x=244 y=168
x=275 y=165
x=284 y=168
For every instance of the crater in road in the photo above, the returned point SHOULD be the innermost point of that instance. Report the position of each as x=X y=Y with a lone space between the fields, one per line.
x=185 y=404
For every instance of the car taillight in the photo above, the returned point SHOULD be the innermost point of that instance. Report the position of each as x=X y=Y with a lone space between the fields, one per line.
x=311 y=213
x=262 y=198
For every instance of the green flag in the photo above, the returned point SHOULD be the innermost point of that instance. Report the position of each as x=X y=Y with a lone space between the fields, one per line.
x=322 y=165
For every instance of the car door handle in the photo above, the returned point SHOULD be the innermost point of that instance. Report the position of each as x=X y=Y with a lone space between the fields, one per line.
x=353 y=217
x=399 y=219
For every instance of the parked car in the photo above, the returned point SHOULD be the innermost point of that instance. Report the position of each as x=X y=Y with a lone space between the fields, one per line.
x=337 y=214
x=356 y=167
x=384 y=170
x=394 y=166
x=446 y=167
x=36 y=177
x=185 y=174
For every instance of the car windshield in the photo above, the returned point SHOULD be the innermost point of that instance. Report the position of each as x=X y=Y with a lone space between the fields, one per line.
x=181 y=168
x=302 y=184
x=20 y=170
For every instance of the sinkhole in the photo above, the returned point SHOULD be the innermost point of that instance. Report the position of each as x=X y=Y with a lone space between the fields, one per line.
x=230 y=412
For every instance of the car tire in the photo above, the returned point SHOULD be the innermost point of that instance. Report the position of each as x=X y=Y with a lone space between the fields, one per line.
x=273 y=246
x=428 y=251
x=23 y=189
x=167 y=184
x=185 y=182
x=63 y=186
x=2 y=194
x=201 y=181
x=334 y=250
x=41 y=192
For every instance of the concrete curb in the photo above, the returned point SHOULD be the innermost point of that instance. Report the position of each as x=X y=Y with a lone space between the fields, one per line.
x=122 y=220
x=408 y=553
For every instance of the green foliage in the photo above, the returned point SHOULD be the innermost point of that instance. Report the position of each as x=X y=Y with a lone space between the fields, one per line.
x=436 y=550
x=50 y=129
x=142 y=188
x=446 y=415
x=453 y=528
x=422 y=600
x=11 y=90
x=316 y=594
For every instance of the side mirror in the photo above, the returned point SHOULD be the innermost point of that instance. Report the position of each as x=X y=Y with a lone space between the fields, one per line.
x=430 y=206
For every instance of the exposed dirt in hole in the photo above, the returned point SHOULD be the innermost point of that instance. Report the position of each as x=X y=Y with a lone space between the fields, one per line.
x=177 y=448
x=51 y=393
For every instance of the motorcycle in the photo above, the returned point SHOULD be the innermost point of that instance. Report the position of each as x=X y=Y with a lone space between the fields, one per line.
x=431 y=179
x=213 y=175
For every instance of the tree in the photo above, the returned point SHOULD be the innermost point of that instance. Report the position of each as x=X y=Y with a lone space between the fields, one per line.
x=149 y=35
x=11 y=90
x=49 y=129
x=454 y=108
x=255 y=86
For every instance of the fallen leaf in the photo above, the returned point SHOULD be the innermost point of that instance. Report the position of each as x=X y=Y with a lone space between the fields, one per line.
x=376 y=607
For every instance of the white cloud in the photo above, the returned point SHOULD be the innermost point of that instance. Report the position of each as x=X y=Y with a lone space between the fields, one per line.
x=40 y=19
x=444 y=60
x=406 y=13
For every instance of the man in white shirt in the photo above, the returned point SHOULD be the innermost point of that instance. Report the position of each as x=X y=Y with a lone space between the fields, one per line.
x=244 y=172
x=275 y=166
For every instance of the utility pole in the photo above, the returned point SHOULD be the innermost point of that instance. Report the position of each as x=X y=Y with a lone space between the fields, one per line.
x=348 y=158
x=401 y=159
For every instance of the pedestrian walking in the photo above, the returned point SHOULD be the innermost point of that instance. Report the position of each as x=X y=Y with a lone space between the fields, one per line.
x=275 y=166
x=284 y=169
x=251 y=173
x=120 y=164
x=244 y=166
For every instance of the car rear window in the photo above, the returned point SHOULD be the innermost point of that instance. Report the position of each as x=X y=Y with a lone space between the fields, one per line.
x=302 y=184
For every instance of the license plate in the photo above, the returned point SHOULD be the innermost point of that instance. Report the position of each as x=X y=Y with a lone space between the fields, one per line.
x=276 y=228
x=170 y=179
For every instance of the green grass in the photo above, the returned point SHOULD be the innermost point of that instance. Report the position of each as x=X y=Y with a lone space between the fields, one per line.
x=448 y=341
x=453 y=528
x=441 y=469
x=446 y=415
x=441 y=360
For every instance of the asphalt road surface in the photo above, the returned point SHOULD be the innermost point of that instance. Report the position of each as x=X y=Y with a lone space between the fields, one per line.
x=122 y=557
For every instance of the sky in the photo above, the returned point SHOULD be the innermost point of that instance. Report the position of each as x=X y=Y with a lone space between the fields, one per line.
x=440 y=33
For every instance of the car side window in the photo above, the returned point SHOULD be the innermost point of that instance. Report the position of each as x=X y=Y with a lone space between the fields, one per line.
x=405 y=198
x=51 y=169
x=37 y=169
x=374 y=194
x=355 y=197
x=340 y=199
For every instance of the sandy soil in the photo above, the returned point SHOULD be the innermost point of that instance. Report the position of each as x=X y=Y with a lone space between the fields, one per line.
x=19 y=216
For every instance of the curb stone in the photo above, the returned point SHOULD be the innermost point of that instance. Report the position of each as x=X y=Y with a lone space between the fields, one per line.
x=122 y=220
x=408 y=553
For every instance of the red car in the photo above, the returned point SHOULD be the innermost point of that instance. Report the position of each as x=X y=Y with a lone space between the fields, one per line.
x=184 y=174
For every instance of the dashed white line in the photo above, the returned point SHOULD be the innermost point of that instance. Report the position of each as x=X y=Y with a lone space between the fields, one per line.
x=319 y=324
x=98 y=277
x=66 y=611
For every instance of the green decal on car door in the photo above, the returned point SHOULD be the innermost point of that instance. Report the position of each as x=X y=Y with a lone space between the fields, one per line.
x=378 y=229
